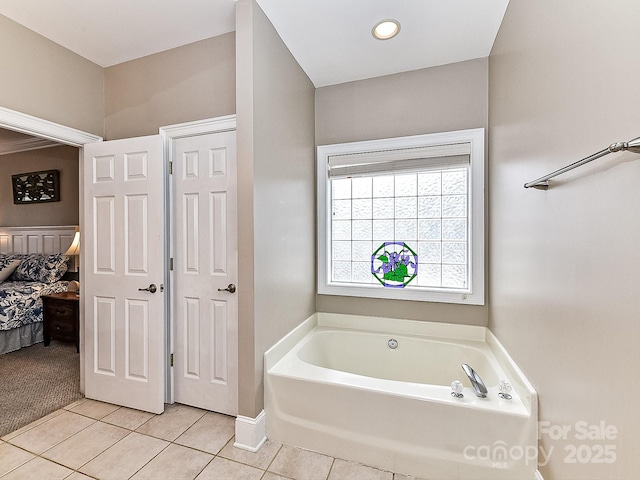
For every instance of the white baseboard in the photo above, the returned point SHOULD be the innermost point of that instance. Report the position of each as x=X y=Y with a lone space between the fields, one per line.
x=250 y=432
x=538 y=475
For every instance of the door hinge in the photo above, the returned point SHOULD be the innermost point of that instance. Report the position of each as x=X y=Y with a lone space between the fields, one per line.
x=171 y=264
x=170 y=168
x=171 y=360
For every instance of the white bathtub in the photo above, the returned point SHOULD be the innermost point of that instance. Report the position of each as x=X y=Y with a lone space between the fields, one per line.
x=334 y=386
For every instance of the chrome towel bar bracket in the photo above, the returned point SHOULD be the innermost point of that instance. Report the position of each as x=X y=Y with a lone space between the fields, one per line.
x=542 y=183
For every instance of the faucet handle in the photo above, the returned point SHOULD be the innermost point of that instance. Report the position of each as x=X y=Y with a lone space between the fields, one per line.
x=476 y=382
x=456 y=389
x=505 y=388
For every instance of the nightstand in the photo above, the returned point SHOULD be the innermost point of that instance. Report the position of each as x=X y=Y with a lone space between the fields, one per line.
x=61 y=317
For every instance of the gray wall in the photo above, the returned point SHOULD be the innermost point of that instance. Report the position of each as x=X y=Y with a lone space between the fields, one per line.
x=64 y=212
x=187 y=83
x=565 y=83
x=450 y=97
x=276 y=193
x=43 y=79
x=276 y=176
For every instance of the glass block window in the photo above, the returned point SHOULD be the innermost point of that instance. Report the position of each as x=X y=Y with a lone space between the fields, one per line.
x=422 y=196
x=426 y=210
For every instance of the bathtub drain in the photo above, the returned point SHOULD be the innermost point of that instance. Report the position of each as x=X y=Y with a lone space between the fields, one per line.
x=393 y=343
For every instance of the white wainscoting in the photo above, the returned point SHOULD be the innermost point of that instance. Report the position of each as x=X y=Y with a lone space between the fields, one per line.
x=38 y=239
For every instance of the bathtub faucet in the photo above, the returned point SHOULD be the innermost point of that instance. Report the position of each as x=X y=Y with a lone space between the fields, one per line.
x=476 y=381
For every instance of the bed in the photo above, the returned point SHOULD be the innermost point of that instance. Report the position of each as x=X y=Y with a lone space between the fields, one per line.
x=31 y=265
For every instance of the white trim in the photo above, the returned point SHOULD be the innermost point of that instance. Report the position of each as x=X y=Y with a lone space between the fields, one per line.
x=400 y=143
x=38 y=239
x=250 y=432
x=199 y=127
x=169 y=134
x=23 y=123
x=25 y=145
x=474 y=295
x=539 y=475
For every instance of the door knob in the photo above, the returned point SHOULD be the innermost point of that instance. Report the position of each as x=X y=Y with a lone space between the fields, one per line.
x=231 y=289
x=151 y=288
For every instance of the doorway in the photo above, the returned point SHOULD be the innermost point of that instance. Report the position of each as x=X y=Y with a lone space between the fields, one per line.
x=41 y=128
x=30 y=125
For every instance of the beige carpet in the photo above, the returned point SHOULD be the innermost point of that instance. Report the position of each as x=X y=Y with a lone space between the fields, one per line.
x=36 y=381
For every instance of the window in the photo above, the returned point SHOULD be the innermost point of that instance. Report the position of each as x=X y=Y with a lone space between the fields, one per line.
x=403 y=218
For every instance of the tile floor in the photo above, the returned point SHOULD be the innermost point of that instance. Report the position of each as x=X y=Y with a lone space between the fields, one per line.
x=90 y=439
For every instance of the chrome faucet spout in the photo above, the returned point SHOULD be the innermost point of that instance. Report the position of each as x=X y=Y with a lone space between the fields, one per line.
x=477 y=383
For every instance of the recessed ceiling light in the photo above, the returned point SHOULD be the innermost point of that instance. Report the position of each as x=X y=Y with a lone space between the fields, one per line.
x=386 y=29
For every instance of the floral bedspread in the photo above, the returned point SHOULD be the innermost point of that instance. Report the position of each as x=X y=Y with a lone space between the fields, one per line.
x=20 y=302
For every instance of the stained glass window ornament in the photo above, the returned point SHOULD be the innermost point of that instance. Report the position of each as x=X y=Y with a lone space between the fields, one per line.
x=394 y=264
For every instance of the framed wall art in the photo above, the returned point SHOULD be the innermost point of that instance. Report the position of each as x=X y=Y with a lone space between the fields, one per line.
x=36 y=187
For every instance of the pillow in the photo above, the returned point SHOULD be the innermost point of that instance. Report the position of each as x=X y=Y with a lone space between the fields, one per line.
x=7 y=268
x=41 y=268
x=7 y=258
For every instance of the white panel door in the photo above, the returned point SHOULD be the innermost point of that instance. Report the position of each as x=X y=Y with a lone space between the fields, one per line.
x=205 y=251
x=123 y=250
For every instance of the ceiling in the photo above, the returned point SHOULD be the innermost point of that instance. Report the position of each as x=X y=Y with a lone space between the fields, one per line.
x=109 y=32
x=330 y=39
x=11 y=136
x=14 y=142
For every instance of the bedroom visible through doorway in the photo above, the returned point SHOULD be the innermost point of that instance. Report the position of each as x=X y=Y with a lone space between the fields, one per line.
x=39 y=380
x=49 y=131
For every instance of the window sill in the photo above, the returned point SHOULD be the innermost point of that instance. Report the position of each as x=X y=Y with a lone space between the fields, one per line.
x=462 y=297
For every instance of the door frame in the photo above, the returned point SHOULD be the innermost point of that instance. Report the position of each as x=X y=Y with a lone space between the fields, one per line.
x=169 y=134
x=39 y=127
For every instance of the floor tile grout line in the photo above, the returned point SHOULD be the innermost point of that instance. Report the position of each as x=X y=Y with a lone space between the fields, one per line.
x=54 y=445
x=18 y=466
x=264 y=470
x=75 y=404
x=143 y=423
x=100 y=420
x=88 y=461
x=213 y=456
x=149 y=461
x=77 y=470
x=217 y=455
x=107 y=448
x=32 y=425
x=97 y=455
x=333 y=462
x=272 y=460
x=87 y=416
x=205 y=466
x=172 y=441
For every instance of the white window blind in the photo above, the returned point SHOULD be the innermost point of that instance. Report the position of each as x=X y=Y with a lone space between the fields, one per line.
x=405 y=160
